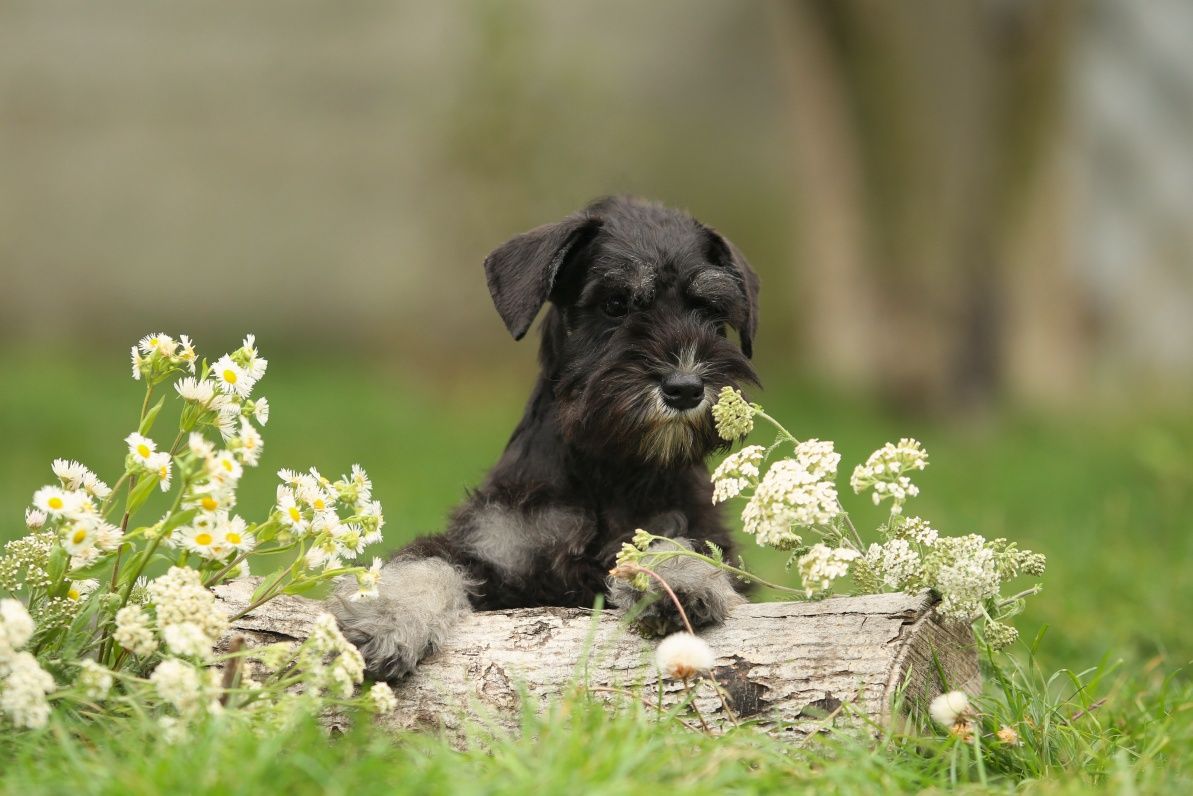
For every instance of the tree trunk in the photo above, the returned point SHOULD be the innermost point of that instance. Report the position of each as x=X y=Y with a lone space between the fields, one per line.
x=784 y=666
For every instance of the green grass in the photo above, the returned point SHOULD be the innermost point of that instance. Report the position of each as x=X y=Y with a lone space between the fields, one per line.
x=1108 y=497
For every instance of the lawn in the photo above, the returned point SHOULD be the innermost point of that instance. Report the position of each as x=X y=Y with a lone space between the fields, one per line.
x=1107 y=496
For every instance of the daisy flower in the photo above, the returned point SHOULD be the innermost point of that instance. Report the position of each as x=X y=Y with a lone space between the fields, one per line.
x=78 y=538
x=200 y=540
x=160 y=464
x=56 y=501
x=34 y=519
x=224 y=468
x=161 y=343
x=187 y=352
x=200 y=446
x=199 y=391
x=256 y=365
x=69 y=472
x=138 y=364
x=231 y=378
x=261 y=410
x=79 y=589
x=95 y=487
x=290 y=512
x=213 y=500
x=250 y=444
x=235 y=536
x=141 y=448
x=108 y=536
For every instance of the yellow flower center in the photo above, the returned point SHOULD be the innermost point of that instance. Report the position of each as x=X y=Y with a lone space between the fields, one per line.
x=73 y=594
x=227 y=463
x=319 y=504
x=210 y=503
x=234 y=538
x=164 y=473
x=143 y=451
x=203 y=539
x=79 y=536
x=295 y=514
x=55 y=502
x=230 y=375
x=250 y=443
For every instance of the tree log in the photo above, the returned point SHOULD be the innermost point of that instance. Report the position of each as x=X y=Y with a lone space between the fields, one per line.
x=787 y=667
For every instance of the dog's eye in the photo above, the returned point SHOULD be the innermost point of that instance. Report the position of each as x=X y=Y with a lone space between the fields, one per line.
x=615 y=307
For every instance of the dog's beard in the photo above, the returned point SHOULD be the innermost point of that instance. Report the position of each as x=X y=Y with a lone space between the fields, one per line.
x=674 y=435
x=631 y=422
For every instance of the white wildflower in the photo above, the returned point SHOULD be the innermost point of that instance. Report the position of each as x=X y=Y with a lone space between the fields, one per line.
x=261 y=410
x=94 y=680
x=234 y=536
x=138 y=363
x=80 y=589
x=160 y=343
x=916 y=531
x=186 y=638
x=57 y=502
x=682 y=655
x=249 y=444
x=734 y=417
x=949 y=709
x=195 y=390
x=79 y=537
x=737 y=473
x=16 y=627
x=966 y=575
x=70 y=473
x=186 y=352
x=885 y=472
x=254 y=364
x=223 y=468
x=367 y=582
x=34 y=519
x=133 y=631
x=95 y=487
x=794 y=493
x=161 y=466
x=178 y=683
x=231 y=378
x=894 y=563
x=821 y=565
x=141 y=448
x=200 y=446
x=383 y=698
x=290 y=511
x=179 y=597
x=23 y=696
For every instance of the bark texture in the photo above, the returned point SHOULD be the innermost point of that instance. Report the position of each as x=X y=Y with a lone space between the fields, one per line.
x=783 y=666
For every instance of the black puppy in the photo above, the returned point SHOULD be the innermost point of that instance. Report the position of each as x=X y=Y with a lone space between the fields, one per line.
x=614 y=436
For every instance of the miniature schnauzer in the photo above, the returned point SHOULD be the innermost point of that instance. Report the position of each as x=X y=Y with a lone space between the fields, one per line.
x=634 y=350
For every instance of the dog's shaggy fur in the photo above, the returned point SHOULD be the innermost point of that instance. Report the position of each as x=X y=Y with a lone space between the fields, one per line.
x=634 y=351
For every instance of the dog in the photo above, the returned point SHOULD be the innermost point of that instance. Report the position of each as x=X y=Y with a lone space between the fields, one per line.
x=635 y=347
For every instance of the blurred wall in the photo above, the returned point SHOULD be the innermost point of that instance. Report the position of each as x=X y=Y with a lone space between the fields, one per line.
x=947 y=202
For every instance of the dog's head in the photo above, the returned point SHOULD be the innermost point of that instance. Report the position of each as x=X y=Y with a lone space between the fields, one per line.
x=636 y=343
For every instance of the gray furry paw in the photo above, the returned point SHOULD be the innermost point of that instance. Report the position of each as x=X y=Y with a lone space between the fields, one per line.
x=419 y=602
x=705 y=592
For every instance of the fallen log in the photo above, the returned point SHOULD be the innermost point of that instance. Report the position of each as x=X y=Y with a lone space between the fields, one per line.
x=788 y=667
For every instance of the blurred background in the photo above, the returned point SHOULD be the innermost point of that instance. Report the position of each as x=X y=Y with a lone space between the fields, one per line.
x=971 y=220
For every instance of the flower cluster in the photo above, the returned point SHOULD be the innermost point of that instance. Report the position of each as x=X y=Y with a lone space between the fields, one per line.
x=87 y=612
x=885 y=473
x=795 y=494
x=733 y=415
x=822 y=565
x=23 y=683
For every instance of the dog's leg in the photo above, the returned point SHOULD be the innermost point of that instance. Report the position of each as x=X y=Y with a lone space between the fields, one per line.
x=705 y=592
x=419 y=600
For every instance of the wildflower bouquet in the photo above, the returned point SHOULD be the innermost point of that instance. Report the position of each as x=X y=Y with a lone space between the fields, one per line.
x=794 y=505
x=90 y=628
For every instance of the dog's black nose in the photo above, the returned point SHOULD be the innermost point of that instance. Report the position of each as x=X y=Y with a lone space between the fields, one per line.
x=682 y=390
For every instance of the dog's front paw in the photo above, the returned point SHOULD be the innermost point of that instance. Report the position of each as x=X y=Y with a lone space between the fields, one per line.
x=705 y=592
x=391 y=645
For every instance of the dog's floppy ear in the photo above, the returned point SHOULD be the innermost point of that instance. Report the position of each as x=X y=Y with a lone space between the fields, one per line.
x=523 y=272
x=726 y=255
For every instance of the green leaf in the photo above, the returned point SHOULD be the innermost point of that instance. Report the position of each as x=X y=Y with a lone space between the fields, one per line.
x=56 y=566
x=141 y=492
x=151 y=416
x=266 y=585
x=93 y=569
x=181 y=518
x=301 y=587
x=716 y=553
